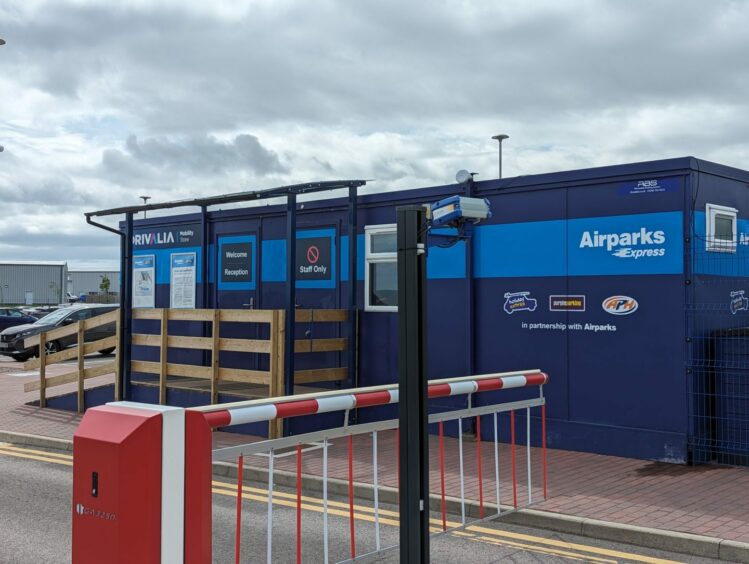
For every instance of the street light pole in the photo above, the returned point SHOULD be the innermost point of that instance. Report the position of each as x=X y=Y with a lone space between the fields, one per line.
x=145 y=201
x=501 y=137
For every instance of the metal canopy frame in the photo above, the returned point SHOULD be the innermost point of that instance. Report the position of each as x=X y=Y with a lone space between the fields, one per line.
x=237 y=197
x=290 y=192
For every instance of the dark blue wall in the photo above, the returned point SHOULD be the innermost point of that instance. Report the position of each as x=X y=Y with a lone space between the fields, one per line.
x=617 y=381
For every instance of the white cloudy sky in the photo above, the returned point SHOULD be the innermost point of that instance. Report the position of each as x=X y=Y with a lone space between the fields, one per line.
x=103 y=101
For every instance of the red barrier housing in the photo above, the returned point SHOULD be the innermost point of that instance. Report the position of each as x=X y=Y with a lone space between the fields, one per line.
x=117 y=487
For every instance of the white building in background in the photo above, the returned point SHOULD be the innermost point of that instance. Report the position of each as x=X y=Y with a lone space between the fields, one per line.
x=33 y=282
x=89 y=281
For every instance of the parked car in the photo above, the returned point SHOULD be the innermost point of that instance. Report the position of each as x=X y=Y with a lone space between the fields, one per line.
x=40 y=311
x=10 y=317
x=11 y=340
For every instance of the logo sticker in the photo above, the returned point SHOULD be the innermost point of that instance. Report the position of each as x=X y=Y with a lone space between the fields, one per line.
x=84 y=511
x=519 y=301
x=739 y=302
x=566 y=303
x=620 y=305
x=649 y=186
x=630 y=245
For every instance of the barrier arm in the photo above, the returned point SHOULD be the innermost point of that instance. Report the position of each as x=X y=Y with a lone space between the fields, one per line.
x=252 y=411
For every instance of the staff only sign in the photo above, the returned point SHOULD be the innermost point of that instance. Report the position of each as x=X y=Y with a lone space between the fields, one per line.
x=314 y=258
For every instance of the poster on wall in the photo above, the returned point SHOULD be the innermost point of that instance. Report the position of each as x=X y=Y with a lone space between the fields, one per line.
x=144 y=281
x=182 y=287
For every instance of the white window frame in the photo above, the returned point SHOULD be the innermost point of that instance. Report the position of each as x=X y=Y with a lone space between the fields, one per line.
x=370 y=258
x=719 y=245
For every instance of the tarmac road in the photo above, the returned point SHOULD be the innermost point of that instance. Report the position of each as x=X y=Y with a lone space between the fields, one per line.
x=35 y=509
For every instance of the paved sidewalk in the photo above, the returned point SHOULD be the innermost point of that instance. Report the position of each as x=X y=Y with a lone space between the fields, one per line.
x=703 y=500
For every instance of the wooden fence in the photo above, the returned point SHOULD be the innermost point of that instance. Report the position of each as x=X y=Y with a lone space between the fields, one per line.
x=164 y=339
x=81 y=373
x=273 y=346
x=338 y=344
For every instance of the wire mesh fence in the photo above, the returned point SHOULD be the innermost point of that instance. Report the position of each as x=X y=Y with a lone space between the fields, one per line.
x=718 y=357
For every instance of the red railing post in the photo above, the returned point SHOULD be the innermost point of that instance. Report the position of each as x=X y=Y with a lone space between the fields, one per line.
x=442 y=477
x=351 y=494
x=478 y=462
x=299 y=503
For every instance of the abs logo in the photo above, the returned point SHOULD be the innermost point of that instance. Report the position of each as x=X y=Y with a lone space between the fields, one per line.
x=619 y=305
x=629 y=245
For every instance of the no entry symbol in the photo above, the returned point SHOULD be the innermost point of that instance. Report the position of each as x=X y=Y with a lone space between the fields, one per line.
x=313 y=254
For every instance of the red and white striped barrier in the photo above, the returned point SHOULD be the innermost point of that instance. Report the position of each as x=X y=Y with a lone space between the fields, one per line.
x=264 y=410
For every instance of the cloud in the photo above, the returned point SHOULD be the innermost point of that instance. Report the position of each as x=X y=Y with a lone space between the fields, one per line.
x=184 y=98
x=201 y=154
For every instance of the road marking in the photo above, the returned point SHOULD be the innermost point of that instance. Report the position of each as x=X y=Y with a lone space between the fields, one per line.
x=571 y=545
x=34 y=457
x=331 y=503
x=8 y=446
x=532 y=548
x=482 y=533
x=307 y=506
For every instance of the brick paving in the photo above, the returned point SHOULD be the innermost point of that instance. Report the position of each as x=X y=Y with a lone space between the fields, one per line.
x=705 y=500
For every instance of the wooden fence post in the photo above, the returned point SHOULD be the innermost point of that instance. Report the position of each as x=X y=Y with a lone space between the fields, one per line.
x=164 y=353
x=81 y=366
x=215 y=348
x=42 y=370
x=275 y=385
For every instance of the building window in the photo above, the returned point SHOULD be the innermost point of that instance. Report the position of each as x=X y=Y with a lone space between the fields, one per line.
x=720 y=230
x=381 y=272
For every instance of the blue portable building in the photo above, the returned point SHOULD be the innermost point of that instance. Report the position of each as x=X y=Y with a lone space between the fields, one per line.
x=624 y=283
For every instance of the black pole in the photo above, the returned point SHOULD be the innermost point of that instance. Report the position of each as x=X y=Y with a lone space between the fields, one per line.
x=204 y=271
x=126 y=307
x=412 y=386
x=290 y=292
x=352 y=286
x=205 y=264
x=470 y=296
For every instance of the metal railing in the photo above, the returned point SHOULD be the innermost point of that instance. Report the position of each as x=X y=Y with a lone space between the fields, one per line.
x=320 y=441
